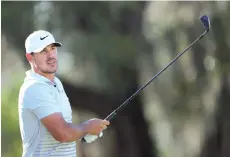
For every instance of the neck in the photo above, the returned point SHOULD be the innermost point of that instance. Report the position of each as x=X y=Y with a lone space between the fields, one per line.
x=46 y=75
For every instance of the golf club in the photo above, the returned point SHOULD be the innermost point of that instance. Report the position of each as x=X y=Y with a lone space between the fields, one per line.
x=206 y=23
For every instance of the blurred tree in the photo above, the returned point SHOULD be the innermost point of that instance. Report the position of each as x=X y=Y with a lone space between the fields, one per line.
x=217 y=144
x=17 y=22
x=108 y=37
x=185 y=95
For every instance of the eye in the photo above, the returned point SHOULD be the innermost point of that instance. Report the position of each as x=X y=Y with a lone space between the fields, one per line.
x=43 y=51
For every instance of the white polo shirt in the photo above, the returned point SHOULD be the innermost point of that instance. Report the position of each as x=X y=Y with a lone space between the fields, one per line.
x=38 y=98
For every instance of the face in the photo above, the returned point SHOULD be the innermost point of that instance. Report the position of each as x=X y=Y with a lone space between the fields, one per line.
x=46 y=61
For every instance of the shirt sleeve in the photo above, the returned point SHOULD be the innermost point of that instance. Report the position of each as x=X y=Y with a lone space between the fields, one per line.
x=41 y=101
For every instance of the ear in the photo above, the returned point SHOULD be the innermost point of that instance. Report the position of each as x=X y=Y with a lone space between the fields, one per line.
x=29 y=57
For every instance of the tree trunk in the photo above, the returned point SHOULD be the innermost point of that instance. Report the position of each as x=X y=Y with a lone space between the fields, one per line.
x=218 y=143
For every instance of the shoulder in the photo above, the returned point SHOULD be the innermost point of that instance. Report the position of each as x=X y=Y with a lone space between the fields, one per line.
x=32 y=86
x=32 y=94
x=33 y=89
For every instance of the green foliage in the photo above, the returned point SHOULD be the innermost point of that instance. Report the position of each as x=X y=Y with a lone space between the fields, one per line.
x=11 y=141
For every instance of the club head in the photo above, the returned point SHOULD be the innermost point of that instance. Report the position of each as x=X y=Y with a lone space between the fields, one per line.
x=206 y=22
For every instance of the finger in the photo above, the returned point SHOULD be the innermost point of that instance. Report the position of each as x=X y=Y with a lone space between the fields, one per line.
x=104 y=127
x=101 y=130
x=105 y=122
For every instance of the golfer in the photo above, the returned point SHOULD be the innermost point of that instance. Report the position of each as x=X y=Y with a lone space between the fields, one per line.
x=45 y=114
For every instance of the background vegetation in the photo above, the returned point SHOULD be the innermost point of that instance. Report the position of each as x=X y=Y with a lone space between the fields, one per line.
x=109 y=50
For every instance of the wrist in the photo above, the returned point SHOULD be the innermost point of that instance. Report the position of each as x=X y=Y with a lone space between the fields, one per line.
x=83 y=129
x=79 y=130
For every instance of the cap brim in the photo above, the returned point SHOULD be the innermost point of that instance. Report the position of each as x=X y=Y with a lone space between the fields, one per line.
x=58 y=44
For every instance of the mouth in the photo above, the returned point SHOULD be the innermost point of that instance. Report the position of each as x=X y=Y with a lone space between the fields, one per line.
x=51 y=62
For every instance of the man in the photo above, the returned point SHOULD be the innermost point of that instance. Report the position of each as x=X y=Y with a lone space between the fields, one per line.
x=45 y=114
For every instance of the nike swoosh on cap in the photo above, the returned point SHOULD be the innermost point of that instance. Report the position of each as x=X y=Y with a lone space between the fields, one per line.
x=42 y=38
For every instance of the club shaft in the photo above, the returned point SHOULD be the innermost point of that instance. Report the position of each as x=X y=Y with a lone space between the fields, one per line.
x=110 y=116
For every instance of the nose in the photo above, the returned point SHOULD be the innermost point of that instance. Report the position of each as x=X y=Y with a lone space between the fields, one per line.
x=51 y=53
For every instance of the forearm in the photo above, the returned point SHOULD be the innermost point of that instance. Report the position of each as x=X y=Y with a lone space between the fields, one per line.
x=68 y=132
x=73 y=132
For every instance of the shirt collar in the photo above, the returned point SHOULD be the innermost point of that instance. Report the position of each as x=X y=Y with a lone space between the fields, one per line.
x=32 y=75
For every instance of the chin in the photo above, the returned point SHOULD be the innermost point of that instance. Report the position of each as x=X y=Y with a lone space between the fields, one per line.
x=51 y=71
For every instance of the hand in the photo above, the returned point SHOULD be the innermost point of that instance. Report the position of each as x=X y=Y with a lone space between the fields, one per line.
x=95 y=126
x=90 y=138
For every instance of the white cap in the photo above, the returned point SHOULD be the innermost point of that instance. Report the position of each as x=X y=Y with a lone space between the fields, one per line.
x=38 y=40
